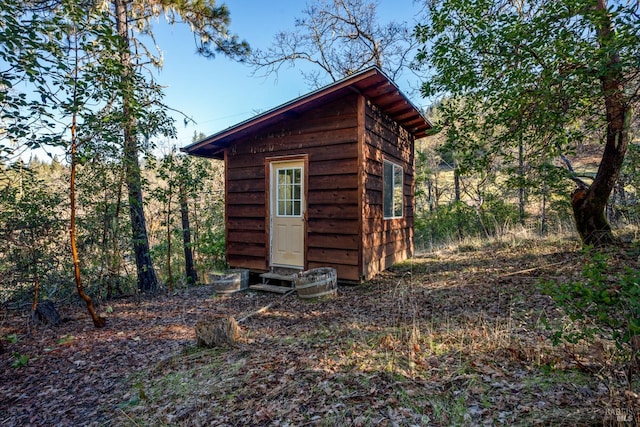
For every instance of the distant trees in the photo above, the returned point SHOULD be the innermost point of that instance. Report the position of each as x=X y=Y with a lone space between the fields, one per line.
x=31 y=232
x=182 y=179
x=530 y=81
x=35 y=217
x=73 y=75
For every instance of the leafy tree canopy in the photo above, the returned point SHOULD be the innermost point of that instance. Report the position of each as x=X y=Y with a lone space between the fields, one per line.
x=551 y=73
x=528 y=67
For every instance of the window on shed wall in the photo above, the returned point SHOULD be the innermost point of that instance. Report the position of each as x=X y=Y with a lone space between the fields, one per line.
x=392 y=190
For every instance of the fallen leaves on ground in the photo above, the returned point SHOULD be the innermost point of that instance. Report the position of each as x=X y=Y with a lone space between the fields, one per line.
x=449 y=338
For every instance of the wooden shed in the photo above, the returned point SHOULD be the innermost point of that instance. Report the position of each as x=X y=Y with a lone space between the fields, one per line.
x=325 y=180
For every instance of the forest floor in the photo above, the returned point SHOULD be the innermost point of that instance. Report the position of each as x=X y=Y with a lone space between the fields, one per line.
x=454 y=337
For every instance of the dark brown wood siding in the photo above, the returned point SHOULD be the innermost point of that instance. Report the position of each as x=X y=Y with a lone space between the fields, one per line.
x=385 y=241
x=327 y=135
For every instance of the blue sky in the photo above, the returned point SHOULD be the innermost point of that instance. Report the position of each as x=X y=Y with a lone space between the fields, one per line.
x=219 y=93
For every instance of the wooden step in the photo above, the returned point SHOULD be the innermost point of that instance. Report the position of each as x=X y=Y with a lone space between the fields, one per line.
x=278 y=276
x=271 y=288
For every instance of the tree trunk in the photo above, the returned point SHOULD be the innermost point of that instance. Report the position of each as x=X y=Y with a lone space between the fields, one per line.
x=543 y=211
x=169 y=272
x=104 y=246
x=590 y=218
x=190 y=271
x=45 y=313
x=147 y=280
x=36 y=279
x=456 y=184
x=98 y=321
x=521 y=188
x=196 y=232
x=589 y=204
x=114 y=260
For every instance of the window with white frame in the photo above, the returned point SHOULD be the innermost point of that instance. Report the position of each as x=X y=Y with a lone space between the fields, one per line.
x=392 y=175
x=289 y=192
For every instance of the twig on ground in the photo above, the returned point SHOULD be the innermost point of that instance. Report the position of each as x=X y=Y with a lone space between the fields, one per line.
x=528 y=270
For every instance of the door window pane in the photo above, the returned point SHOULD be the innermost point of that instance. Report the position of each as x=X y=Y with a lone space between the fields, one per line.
x=289 y=192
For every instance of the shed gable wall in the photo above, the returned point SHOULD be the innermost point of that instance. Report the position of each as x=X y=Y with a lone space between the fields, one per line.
x=327 y=135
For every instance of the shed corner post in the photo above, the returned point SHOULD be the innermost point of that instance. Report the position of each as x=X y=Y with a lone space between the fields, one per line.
x=361 y=131
x=226 y=206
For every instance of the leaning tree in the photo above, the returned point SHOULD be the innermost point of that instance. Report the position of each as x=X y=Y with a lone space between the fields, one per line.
x=44 y=50
x=550 y=73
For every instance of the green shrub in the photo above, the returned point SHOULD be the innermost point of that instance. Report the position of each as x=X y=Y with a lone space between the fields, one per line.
x=600 y=303
x=458 y=221
x=497 y=215
x=212 y=248
x=447 y=222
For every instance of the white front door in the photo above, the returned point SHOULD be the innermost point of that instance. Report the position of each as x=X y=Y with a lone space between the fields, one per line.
x=287 y=213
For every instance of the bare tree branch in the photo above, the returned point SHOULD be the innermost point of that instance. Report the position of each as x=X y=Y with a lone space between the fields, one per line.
x=338 y=38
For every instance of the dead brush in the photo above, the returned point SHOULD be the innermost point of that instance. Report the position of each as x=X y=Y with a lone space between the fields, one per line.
x=482 y=333
x=403 y=344
x=416 y=337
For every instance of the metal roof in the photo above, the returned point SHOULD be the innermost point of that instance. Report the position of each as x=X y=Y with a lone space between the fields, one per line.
x=372 y=83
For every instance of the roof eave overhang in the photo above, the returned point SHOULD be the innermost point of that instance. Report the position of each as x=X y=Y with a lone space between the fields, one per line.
x=371 y=83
